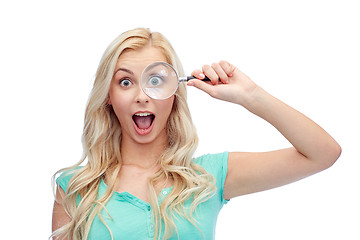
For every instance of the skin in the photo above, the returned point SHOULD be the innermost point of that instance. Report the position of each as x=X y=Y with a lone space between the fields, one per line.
x=313 y=149
x=127 y=100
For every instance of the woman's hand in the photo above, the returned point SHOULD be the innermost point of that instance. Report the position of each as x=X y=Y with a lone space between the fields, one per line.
x=227 y=83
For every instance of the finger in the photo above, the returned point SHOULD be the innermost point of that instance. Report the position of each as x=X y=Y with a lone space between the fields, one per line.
x=227 y=67
x=220 y=72
x=211 y=74
x=198 y=74
x=201 y=85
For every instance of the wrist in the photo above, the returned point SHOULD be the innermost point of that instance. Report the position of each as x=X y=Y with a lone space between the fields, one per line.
x=259 y=102
x=250 y=96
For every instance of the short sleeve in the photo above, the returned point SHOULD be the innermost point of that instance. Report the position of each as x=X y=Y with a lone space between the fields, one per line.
x=216 y=164
x=64 y=178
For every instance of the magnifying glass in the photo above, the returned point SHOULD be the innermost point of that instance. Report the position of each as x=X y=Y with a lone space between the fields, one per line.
x=160 y=80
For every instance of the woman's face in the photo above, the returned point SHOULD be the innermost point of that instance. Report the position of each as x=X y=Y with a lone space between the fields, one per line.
x=142 y=119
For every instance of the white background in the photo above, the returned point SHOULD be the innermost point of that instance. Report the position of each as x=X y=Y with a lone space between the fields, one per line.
x=306 y=53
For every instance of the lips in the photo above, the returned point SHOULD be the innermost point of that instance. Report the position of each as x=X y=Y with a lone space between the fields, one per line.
x=143 y=122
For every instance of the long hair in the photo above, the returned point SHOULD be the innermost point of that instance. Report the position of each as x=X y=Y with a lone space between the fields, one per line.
x=101 y=147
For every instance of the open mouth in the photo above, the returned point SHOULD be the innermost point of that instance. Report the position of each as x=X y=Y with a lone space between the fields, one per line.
x=143 y=120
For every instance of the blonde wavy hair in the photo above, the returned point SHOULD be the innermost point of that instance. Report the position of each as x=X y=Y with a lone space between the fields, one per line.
x=101 y=144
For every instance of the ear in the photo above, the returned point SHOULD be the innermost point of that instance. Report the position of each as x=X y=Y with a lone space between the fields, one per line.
x=109 y=101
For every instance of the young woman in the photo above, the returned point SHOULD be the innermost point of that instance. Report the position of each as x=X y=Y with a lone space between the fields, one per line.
x=140 y=180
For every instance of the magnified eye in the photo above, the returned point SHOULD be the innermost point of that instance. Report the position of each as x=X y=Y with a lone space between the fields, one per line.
x=125 y=83
x=159 y=80
x=155 y=81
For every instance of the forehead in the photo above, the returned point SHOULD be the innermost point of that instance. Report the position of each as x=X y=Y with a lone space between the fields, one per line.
x=140 y=58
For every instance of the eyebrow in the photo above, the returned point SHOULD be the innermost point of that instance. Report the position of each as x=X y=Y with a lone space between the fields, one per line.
x=124 y=70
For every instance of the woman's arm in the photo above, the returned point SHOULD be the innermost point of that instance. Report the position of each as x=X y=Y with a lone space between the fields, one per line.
x=313 y=149
x=60 y=217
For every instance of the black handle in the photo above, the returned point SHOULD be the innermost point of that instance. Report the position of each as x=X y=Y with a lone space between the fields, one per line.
x=192 y=77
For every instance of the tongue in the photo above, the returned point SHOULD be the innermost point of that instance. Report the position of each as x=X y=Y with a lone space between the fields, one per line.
x=143 y=122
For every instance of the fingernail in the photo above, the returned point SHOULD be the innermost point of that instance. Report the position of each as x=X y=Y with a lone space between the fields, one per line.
x=190 y=83
x=201 y=75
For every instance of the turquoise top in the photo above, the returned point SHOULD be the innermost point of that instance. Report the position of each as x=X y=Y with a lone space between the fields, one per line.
x=131 y=216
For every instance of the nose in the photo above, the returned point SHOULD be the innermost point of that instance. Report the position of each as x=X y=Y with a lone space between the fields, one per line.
x=141 y=97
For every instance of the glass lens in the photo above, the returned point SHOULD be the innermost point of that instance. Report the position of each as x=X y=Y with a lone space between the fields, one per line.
x=159 y=80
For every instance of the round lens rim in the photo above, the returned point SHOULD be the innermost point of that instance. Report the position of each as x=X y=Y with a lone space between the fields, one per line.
x=159 y=63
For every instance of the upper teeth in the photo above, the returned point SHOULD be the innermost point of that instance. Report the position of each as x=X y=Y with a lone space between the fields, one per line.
x=143 y=114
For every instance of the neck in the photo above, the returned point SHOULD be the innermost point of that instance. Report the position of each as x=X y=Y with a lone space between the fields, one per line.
x=142 y=155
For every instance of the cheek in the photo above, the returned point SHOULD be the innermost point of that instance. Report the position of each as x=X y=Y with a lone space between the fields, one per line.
x=117 y=98
x=120 y=106
x=167 y=106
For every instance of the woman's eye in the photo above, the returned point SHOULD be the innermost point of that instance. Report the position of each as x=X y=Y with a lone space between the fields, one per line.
x=125 y=83
x=155 y=81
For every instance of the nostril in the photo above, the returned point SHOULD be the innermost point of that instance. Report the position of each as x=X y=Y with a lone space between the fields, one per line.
x=142 y=97
x=139 y=101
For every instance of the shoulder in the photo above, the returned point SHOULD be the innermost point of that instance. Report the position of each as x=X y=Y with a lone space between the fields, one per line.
x=212 y=161
x=215 y=164
x=65 y=176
